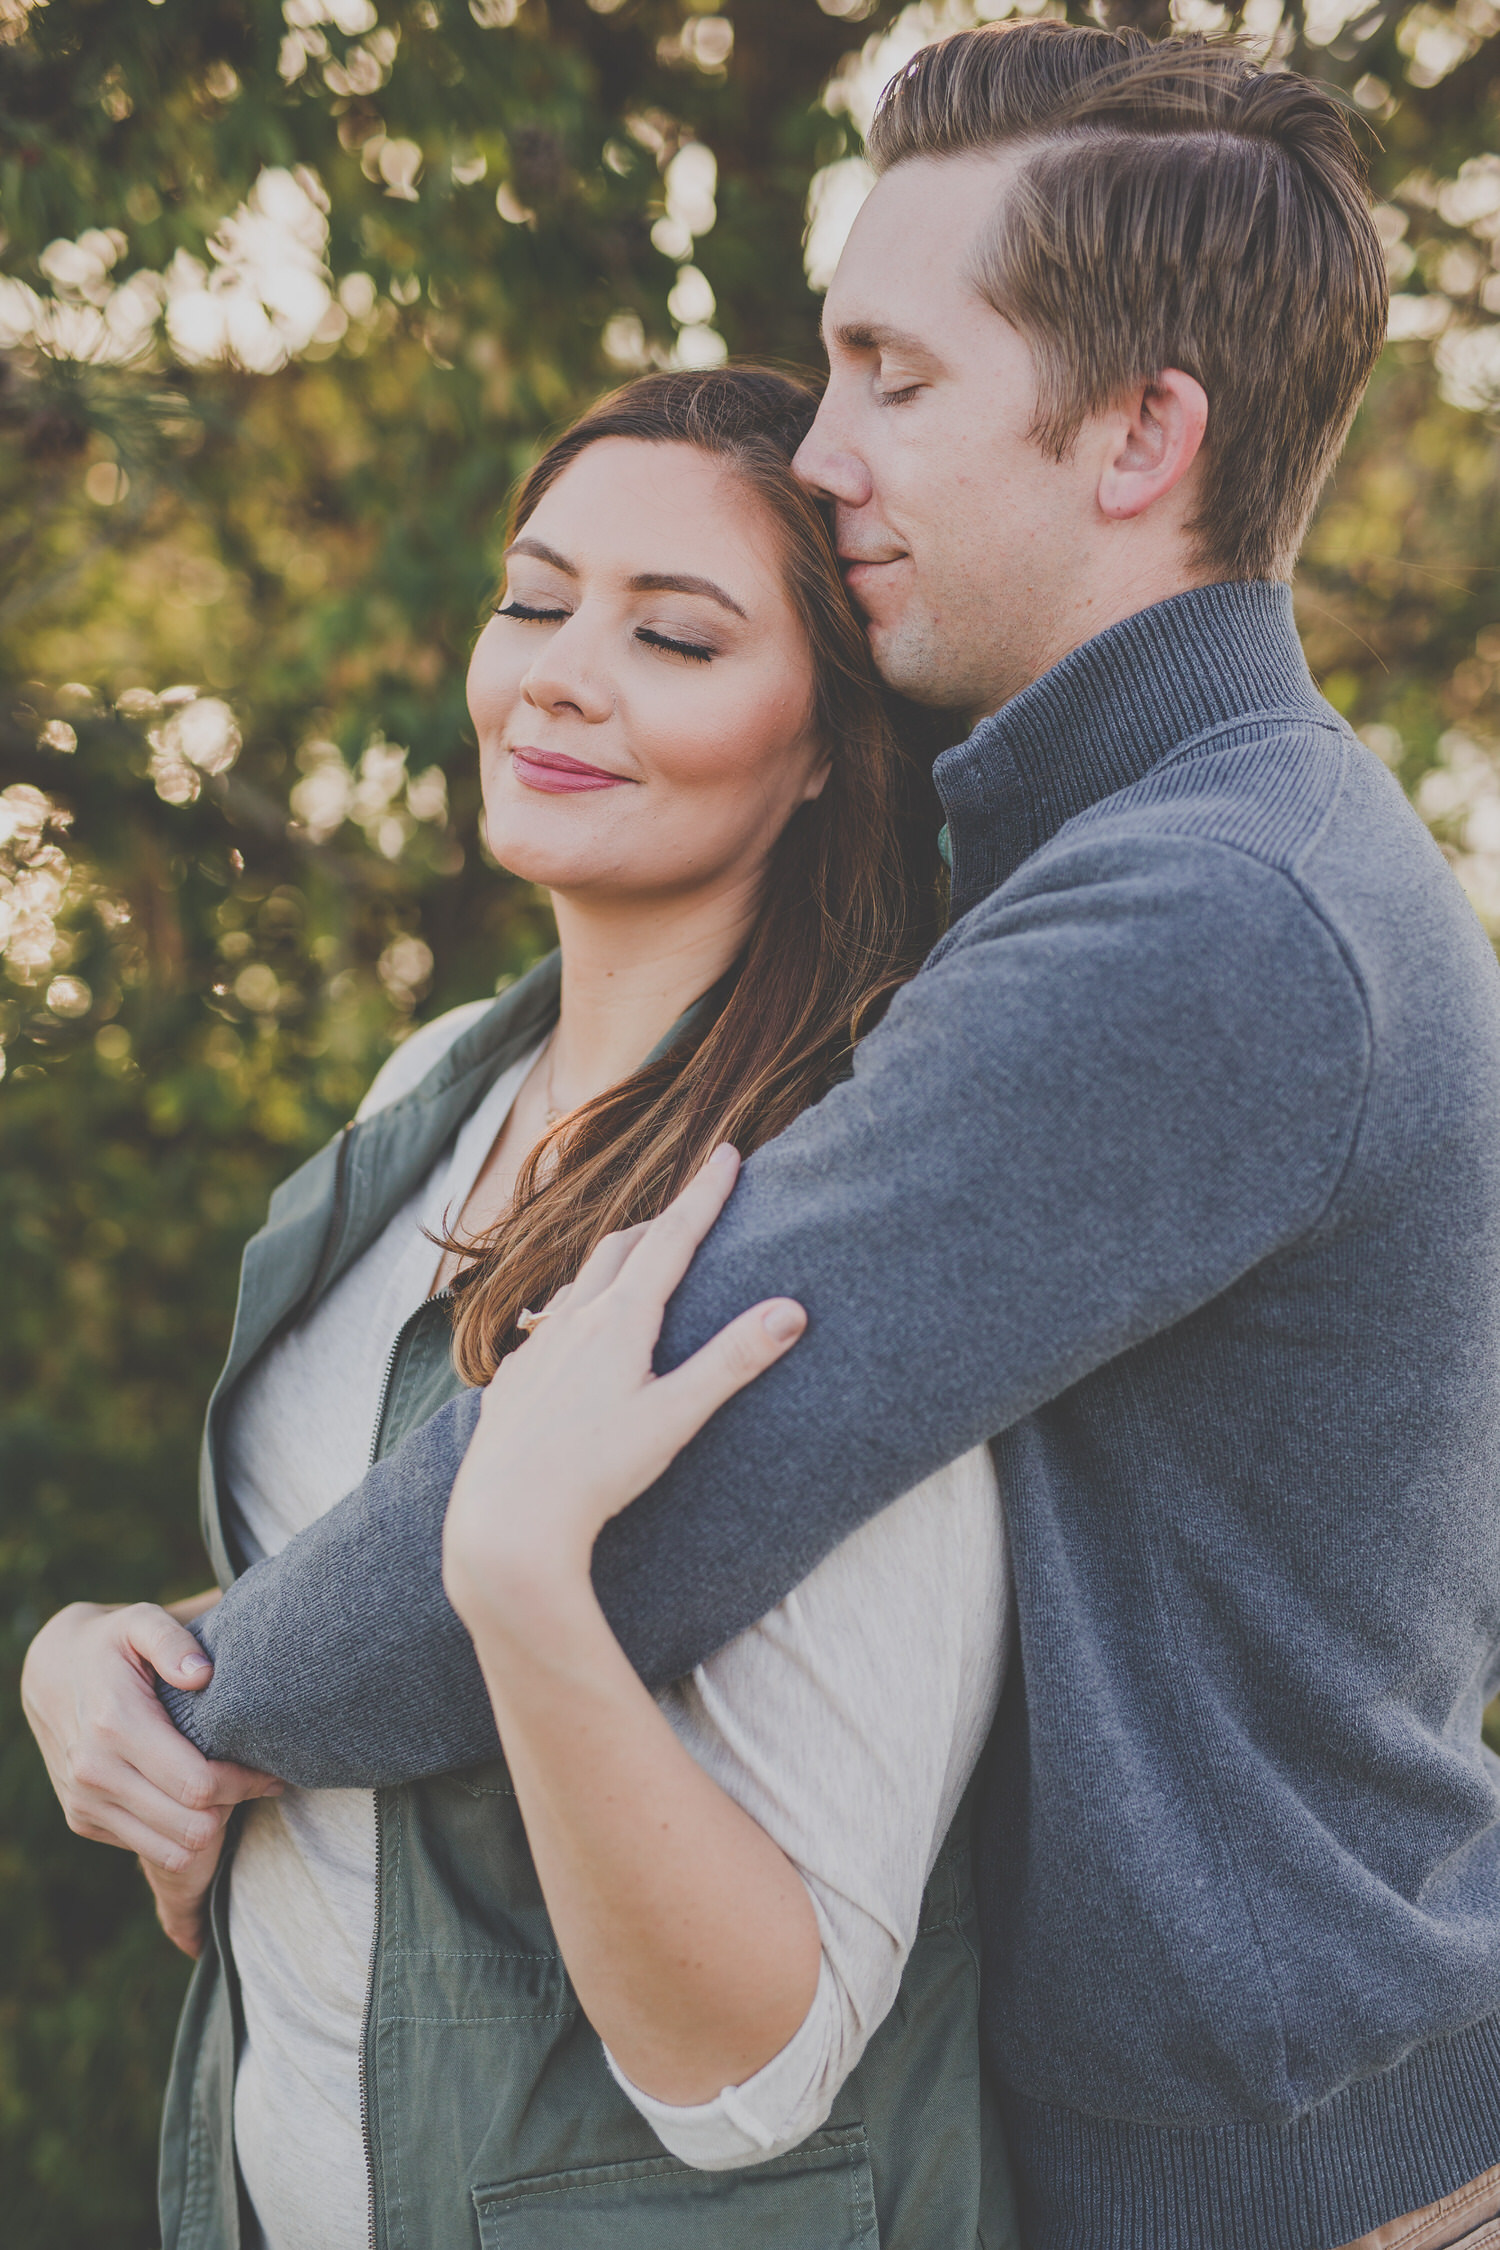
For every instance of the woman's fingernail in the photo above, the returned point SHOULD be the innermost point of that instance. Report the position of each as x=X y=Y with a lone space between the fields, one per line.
x=725 y=1153
x=783 y=1322
x=195 y=1664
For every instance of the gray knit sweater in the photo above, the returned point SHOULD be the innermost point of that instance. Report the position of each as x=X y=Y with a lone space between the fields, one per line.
x=1177 y=1171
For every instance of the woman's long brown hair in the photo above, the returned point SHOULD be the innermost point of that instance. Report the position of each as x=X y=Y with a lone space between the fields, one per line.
x=850 y=904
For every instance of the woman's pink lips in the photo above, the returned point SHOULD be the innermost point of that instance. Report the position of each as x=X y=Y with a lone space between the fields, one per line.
x=550 y=770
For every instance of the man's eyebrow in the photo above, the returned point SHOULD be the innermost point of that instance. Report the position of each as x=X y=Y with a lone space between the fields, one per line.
x=534 y=548
x=677 y=582
x=879 y=336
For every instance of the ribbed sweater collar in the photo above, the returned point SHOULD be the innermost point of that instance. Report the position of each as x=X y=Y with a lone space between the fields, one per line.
x=1107 y=714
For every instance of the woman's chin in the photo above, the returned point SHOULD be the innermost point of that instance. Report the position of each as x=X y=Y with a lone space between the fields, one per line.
x=542 y=850
x=576 y=863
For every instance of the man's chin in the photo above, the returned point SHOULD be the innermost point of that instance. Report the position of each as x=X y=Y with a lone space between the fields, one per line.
x=911 y=664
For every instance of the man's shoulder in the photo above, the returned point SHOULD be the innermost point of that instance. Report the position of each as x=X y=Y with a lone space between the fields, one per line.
x=1272 y=875
x=1271 y=801
x=1266 y=783
x=1221 y=829
x=1178 y=907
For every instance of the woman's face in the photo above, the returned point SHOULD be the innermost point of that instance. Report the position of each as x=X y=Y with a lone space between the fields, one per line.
x=644 y=694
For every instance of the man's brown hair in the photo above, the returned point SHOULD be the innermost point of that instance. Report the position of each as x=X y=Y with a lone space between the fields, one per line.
x=1178 y=207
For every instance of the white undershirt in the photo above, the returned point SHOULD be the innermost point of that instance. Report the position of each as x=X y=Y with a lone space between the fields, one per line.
x=847 y=1723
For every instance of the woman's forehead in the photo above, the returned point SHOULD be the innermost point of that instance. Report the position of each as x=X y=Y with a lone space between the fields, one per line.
x=630 y=507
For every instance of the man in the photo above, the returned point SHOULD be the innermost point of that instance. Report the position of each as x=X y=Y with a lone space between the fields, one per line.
x=1175 y=1172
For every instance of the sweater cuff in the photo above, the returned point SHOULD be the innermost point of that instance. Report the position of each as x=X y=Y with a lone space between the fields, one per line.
x=784 y=2101
x=184 y=1706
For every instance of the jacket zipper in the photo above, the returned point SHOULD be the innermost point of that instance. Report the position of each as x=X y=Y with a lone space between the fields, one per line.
x=438 y=1297
x=364 y=2028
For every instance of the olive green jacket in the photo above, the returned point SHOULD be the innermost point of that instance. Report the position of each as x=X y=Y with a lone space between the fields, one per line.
x=491 y=2120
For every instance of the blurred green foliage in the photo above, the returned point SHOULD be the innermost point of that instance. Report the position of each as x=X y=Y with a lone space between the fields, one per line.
x=289 y=291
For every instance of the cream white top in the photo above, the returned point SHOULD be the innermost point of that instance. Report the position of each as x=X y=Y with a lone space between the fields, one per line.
x=847 y=1723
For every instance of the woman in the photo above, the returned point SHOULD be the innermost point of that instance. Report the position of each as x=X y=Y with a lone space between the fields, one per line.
x=682 y=739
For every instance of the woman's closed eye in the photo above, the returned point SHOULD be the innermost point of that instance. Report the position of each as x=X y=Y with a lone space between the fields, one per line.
x=540 y=612
x=697 y=651
x=530 y=613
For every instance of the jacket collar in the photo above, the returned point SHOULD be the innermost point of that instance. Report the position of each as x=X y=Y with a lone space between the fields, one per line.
x=1109 y=712
x=390 y=1153
x=335 y=1204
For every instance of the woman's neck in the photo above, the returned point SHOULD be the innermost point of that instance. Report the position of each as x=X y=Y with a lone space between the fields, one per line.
x=628 y=973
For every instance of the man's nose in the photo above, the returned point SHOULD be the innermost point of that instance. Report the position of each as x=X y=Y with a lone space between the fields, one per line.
x=828 y=467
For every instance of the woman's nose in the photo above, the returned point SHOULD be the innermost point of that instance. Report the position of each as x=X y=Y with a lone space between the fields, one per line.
x=568 y=676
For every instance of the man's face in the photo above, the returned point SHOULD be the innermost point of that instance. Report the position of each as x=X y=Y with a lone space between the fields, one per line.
x=963 y=540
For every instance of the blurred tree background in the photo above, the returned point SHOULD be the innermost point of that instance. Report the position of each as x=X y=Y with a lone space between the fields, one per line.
x=289 y=292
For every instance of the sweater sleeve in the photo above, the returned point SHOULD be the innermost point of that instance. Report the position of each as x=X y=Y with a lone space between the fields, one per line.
x=1129 y=1076
x=339 y=1661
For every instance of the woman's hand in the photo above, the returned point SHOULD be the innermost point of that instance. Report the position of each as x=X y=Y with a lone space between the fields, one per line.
x=690 y=1937
x=576 y=1423
x=182 y=1899
x=122 y=1772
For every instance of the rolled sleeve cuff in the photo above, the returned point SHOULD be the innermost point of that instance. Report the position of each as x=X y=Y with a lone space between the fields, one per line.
x=787 y=2098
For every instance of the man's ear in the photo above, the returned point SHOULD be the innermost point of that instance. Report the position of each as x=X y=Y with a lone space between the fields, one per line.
x=1159 y=431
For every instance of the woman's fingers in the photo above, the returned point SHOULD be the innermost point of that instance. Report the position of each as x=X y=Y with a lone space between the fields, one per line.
x=172 y=1652
x=694 y=1392
x=599 y=1268
x=187 y=1806
x=668 y=1245
x=122 y=1772
x=181 y=1900
x=117 y=1824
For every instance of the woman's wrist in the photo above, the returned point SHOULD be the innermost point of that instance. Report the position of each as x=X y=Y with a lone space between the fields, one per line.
x=522 y=1590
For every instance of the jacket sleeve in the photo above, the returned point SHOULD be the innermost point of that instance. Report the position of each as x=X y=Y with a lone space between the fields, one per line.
x=1132 y=1074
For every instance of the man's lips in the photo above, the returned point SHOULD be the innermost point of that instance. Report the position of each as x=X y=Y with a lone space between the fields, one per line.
x=860 y=567
x=557 y=775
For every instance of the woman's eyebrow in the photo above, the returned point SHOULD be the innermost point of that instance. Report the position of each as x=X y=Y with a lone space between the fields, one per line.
x=539 y=553
x=674 y=582
x=644 y=582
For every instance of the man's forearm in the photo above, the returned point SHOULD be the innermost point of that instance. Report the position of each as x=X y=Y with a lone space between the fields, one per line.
x=1008 y=1192
x=339 y=1663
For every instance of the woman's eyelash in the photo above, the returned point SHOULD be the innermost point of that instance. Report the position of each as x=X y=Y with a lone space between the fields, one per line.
x=899 y=398
x=527 y=615
x=693 y=649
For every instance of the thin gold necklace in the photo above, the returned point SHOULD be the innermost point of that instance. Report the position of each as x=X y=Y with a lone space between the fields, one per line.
x=552 y=1114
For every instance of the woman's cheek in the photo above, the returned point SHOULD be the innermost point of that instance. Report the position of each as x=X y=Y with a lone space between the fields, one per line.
x=729 y=739
x=491 y=700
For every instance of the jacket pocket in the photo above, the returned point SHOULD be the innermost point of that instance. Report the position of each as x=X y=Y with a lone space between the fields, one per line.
x=819 y=2196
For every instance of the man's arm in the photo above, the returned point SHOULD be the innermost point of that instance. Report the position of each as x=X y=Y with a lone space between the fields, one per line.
x=340 y=1657
x=1123 y=1081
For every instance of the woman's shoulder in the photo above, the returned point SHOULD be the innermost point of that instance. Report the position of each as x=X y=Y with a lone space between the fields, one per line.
x=421 y=1051
x=946 y=1534
x=929 y=1570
